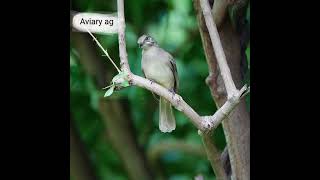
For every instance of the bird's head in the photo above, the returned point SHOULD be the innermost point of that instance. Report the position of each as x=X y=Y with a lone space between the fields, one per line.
x=146 y=41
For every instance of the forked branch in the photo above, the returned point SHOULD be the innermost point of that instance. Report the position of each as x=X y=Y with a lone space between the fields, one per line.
x=203 y=123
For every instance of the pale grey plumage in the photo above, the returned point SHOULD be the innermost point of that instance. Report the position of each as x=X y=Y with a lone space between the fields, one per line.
x=159 y=66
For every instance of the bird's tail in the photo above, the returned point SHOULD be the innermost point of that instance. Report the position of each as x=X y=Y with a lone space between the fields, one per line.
x=167 y=122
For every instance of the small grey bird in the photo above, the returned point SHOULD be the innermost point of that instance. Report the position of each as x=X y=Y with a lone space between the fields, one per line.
x=159 y=66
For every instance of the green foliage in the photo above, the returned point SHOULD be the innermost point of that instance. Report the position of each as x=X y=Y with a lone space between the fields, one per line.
x=173 y=24
x=109 y=92
x=117 y=81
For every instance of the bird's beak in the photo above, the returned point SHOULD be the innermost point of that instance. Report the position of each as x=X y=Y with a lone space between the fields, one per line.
x=140 y=45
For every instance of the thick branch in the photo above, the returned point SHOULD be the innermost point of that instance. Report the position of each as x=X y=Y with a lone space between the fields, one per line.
x=236 y=127
x=122 y=38
x=216 y=43
x=219 y=11
x=214 y=157
x=225 y=160
x=206 y=123
x=203 y=123
x=226 y=109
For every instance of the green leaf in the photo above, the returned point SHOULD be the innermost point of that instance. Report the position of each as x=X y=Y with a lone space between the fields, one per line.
x=109 y=92
x=120 y=75
x=117 y=77
x=125 y=84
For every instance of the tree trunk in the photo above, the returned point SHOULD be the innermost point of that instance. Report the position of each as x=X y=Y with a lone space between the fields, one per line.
x=237 y=126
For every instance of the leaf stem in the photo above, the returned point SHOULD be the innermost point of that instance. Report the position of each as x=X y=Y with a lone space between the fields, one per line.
x=108 y=86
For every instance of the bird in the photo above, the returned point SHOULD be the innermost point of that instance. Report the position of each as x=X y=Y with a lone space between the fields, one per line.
x=158 y=66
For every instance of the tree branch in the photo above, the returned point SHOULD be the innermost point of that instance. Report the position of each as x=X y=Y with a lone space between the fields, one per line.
x=237 y=126
x=225 y=160
x=122 y=38
x=175 y=99
x=213 y=155
x=219 y=11
x=204 y=123
x=216 y=43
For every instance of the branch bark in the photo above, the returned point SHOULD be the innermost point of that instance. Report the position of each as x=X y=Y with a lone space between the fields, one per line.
x=219 y=9
x=213 y=155
x=122 y=38
x=237 y=125
x=217 y=46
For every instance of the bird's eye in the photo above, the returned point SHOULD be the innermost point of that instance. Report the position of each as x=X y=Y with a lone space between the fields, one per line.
x=148 y=38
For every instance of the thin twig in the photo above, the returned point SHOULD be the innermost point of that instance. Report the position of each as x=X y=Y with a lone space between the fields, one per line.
x=105 y=52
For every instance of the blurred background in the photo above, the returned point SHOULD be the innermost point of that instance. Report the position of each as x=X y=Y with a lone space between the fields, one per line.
x=118 y=137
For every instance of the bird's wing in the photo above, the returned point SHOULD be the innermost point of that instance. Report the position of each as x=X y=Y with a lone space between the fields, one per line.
x=173 y=67
x=143 y=72
x=154 y=96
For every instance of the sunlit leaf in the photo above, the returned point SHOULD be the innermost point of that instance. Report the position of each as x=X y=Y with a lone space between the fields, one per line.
x=109 y=92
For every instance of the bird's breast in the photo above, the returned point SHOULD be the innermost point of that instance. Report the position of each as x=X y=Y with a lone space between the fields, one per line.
x=156 y=68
